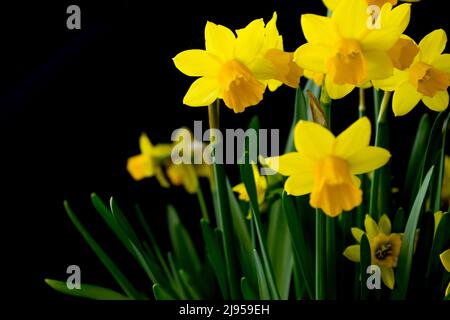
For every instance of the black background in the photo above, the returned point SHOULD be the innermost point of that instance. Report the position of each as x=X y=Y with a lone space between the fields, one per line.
x=73 y=103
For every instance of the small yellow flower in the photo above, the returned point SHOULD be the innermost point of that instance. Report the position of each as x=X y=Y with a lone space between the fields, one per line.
x=237 y=69
x=445 y=195
x=148 y=163
x=384 y=247
x=326 y=166
x=445 y=258
x=427 y=78
x=187 y=175
x=261 y=188
x=346 y=50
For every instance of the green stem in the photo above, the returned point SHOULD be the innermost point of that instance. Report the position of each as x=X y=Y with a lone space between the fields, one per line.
x=223 y=207
x=362 y=102
x=320 y=255
x=360 y=211
x=202 y=203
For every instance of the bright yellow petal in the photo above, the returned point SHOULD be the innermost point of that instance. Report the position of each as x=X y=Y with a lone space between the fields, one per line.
x=312 y=57
x=145 y=145
x=397 y=17
x=202 y=92
x=353 y=253
x=390 y=84
x=442 y=63
x=432 y=45
x=190 y=180
x=351 y=17
x=299 y=185
x=385 y=225
x=274 y=84
x=445 y=258
x=220 y=41
x=262 y=69
x=250 y=41
x=371 y=227
x=140 y=167
x=337 y=91
x=290 y=163
x=381 y=40
x=242 y=191
x=357 y=233
x=379 y=65
x=353 y=139
x=273 y=38
x=319 y=30
x=388 y=277
x=331 y=4
x=312 y=140
x=367 y=160
x=197 y=63
x=405 y=99
x=437 y=103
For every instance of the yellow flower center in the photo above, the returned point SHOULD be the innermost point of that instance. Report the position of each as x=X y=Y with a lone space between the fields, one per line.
x=428 y=80
x=347 y=64
x=240 y=87
x=334 y=189
x=403 y=53
x=381 y=3
x=386 y=249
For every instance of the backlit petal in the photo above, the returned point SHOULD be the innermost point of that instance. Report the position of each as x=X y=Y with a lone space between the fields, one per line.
x=442 y=63
x=290 y=163
x=313 y=140
x=379 y=65
x=337 y=91
x=299 y=185
x=353 y=253
x=437 y=103
x=445 y=258
x=351 y=17
x=371 y=227
x=197 y=63
x=220 y=41
x=202 y=92
x=368 y=159
x=388 y=277
x=432 y=45
x=312 y=57
x=318 y=29
x=250 y=41
x=405 y=99
x=357 y=233
x=385 y=224
x=353 y=139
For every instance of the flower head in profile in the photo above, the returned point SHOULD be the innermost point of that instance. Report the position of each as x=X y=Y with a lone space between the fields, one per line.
x=261 y=188
x=326 y=166
x=426 y=79
x=237 y=68
x=346 y=49
x=445 y=259
x=149 y=162
x=384 y=247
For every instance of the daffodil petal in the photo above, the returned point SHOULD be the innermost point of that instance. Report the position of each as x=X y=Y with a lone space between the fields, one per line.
x=242 y=191
x=139 y=167
x=145 y=145
x=385 y=225
x=442 y=63
x=381 y=40
x=371 y=227
x=312 y=57
x=299 y=185
x=273 y=38
x=368 y=159
x=337 y=91
x=353 y=253
x=432 y=45
x=318 y=29
x=250 y=41
x=220 y=41
x=388 y=277
x=405 y=99
x=398 y=17
x=312 y=140
x=290 y=163
x=437 y=103
x=447 y=291
x=262 y=69
x=379 y=65
x=197 y=63
x=445 y=258
x=351 y=17
x=357 y=233
x=202 y=92
x=353 y=139
x=393 y=82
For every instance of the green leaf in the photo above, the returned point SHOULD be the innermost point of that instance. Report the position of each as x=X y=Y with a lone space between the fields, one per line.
x=407 y=250
x=214 y=252
x=187 y=282
x=104 y=258
x=86 y=291
x=177 y=280
x=321 y=256
x=399 y=221
x=262 y=283
x=300 y=113
x=247 y=290
x=365 y=262
x=160 y=293
x=279 y=248
x=440 y=244
x=302 y=253
x=249 y=181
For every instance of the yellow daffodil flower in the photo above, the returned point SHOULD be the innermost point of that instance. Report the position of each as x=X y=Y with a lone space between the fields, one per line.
x=445 y=195
x=445 y=258
x=332 y=4
x=237 y=68
x=187 y=175
x=346 y=49
x=148 y=163
x=326 y=166
x=261 y=187
x=404 y=51
x=427 y=78
x=384 y=247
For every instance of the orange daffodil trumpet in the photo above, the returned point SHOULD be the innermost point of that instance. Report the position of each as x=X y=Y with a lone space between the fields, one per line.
x=426 y=79
x=326 y=166
x=346 y=49
x=384 y=247
x=237 y=68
